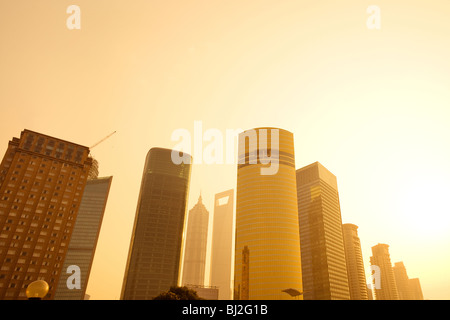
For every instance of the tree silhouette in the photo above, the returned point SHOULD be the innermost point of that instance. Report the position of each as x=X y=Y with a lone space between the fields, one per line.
x=178 y=293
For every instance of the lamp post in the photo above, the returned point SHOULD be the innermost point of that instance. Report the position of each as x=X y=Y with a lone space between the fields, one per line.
x=293 y=292
x=37 y=290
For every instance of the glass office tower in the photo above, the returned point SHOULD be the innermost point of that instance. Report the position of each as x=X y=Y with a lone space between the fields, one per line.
x=322 y=245
x=84 y=238
x=153 y=264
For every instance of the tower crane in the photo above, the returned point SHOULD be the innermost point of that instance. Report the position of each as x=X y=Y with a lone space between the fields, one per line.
x=109 y=135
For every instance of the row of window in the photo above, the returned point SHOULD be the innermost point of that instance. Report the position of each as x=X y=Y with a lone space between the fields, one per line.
x=53 y=147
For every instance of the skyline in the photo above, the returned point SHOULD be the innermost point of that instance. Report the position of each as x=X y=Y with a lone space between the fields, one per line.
x=162 y=164
x=369 y=105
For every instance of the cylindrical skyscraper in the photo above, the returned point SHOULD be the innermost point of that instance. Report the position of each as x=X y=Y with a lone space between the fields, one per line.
x=381 y=258
x=153 y=264
x=355 y=264
x=267 y=234
x=402 y=282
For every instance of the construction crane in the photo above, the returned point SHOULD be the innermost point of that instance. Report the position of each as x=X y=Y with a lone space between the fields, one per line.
x=109 y=135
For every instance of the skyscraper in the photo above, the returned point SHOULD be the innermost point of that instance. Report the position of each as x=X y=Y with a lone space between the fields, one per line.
x=416 y=289
x=355 y=264
x=322 y=246
x=196 y=242
x=405 y=287
x=84 y=238
x=267 y=251
x=153 y=263
x=222 y=244
x=42 y=180
x=382 y=259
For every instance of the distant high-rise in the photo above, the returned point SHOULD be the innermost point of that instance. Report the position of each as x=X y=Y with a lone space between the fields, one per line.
x=370 y=294
x=408 y=289
x=153 y=264
x=222 y=244
x=196 y=243
x=382 y=259
x=355 y=264
x=416 y=289
x=42 y=180
x=267 y=237
x=205 y=292
x=322 y=246
x=84 y=238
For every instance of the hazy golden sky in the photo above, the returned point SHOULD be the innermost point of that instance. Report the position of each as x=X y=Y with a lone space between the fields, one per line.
x=373 y=106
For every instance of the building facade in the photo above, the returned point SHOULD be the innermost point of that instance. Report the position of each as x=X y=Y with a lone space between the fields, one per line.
x=153 y=263
x=82 y=245
x=416 y=289
x=355 y=264
x=267 y=248
x=42 y=180
x=222 y=258
x=205 y=292
x=196 y=242
x=402 y=281
x=387 y=289
x=408 y=289
x=324 y=267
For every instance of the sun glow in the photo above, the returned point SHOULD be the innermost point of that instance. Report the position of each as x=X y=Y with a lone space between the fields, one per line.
x=423 y=206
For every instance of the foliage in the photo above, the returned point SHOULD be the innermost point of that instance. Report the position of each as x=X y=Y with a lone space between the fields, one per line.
x=178 y=293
